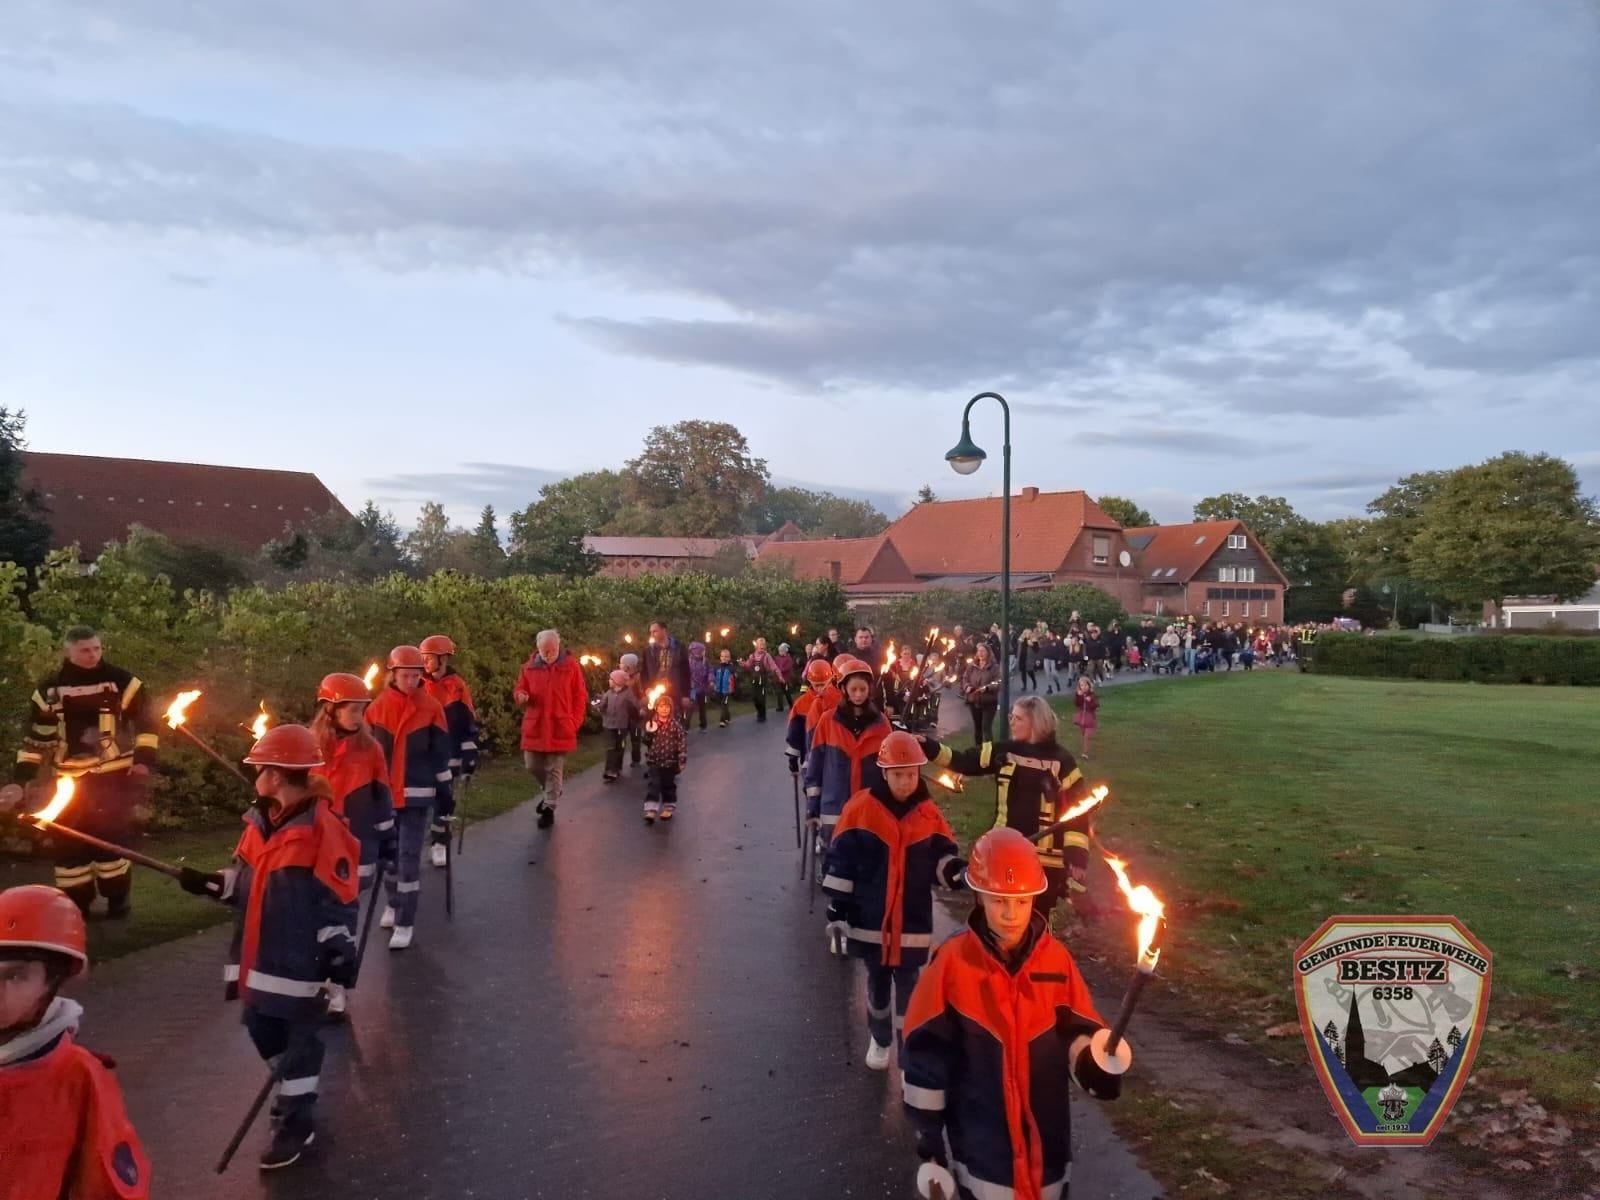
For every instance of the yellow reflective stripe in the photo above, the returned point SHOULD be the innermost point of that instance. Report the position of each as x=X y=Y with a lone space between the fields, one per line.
x=132 y=691
x=944 y=757
x=39 y=703
x=45 y=730
x=1002 y=791
x=1075 y=777
x=147 y=741
x=1076 y=839
x=985 y=754
x=30 y=756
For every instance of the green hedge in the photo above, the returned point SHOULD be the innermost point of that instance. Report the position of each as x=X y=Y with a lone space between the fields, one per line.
x=1469 y=658
x=276 y=644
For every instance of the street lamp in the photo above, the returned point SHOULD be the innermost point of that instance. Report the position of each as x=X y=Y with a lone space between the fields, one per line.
x=965 y=457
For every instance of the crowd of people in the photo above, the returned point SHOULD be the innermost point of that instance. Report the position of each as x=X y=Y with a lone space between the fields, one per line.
x=364 y=797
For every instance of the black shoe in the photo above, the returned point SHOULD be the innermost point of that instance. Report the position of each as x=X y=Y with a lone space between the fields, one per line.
x=118 y=910
x=547 y=815
x=286 y=1148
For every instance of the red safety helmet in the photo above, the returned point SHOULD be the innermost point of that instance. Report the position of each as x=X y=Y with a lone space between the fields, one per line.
x=819 y=673
x=35 y=917
x=901 y=749
x=437 y=644
x=847 y=665
x=292 y=747
x=1005 y=863
x=405 y=656
x=343 y=688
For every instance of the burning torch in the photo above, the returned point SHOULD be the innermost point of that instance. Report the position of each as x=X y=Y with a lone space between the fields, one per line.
x=1152 y=928
x=177 y=716
x=258 y=727
x=371 y=677
x=45 y=820
x=1088 y=804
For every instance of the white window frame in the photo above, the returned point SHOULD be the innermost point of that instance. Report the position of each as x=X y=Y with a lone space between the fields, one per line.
x=1095 y=542
x=1225 y=607
x=1238 y=541
x=1226 y=574
x=1205 y=608
x=1247 y=574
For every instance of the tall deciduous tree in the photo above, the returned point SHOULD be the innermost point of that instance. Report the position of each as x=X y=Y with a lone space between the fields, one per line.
x=1125 y=512
x=335 y=546
x=1516 y=525
x=697 y=478
x=24 y=520
x=547 y=536
x=1266 y=516
x=820 y=514
x=431 y=543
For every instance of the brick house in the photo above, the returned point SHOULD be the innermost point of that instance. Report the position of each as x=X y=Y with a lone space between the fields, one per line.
x=1056 y=538
x=1214 y=570
x=867 y=569
x=93 y=501
x=623 y=557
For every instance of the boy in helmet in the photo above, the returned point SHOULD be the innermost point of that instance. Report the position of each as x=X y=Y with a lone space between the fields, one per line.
x=889 y=849
x=842 y=758
x=410 y=727
x=999 y=1025
x=63 y=1129
x=666 y=758
x=358 y=779
x=818 y=677
x=293 y=882
x=619 y=717
x=446 y=686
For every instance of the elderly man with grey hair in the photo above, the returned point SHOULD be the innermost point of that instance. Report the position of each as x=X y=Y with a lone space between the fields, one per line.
x=554 y=699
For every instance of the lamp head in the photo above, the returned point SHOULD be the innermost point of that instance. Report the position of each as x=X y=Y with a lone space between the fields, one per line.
x=966 y=456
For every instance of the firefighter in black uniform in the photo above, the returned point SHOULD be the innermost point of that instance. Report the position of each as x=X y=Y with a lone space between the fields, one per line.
x=92 y=721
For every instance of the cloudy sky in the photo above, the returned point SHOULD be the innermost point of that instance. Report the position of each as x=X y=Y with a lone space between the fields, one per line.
x=456 y=248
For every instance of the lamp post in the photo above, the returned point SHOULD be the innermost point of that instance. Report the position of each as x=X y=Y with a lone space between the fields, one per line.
x=965 y=458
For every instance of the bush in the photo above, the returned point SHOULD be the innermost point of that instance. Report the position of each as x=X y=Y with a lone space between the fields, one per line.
x=1471 y=659
x=977 y=609
x=276 y=644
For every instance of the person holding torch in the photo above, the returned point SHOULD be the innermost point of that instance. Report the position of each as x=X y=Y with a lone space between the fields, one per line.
x=999 y=1025
x=91 y=721
x=445 y=684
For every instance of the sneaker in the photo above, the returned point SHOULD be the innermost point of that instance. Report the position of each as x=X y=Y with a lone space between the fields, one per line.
x=652 y=809
x=440 y=854
x=722 y=724
x=667 y=810
x=547 y=815
x=877 y=1056
x=286 y=1147
x=608 y=778
x=336 y=1000
x=387 y=920
x=400 y=938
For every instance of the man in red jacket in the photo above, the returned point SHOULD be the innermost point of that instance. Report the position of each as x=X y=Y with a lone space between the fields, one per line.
x=551 y=690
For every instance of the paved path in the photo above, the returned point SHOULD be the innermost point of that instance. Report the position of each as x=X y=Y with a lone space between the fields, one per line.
x=638 y=1013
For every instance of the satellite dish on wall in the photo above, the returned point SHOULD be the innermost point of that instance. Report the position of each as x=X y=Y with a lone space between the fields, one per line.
x=1125 y=559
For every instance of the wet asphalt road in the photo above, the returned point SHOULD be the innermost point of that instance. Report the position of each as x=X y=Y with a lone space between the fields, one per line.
x=636 y=1012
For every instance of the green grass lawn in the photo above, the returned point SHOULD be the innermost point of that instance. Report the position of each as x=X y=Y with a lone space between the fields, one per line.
x=1260 y=804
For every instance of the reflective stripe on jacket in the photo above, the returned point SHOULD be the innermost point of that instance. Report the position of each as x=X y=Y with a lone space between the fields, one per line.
x=411 y=731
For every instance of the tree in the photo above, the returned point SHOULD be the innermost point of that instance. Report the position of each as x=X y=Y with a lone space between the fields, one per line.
x=547 y=536
x=484 y=551
x=696 y=479
x=429 y=545
x=1266 y=516
x=1516 y=525
x=925 y=494
x=1437 y=1057
x=820 y=514
x=24 y=519
x=188 y=566
x=1125 y=512
x=336 y=546
x=1453 y=1040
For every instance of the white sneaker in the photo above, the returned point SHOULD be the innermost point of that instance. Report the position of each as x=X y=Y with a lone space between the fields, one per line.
x=400 y=938
x=440 y=854
x=877 y=1056
x=336 y=1000
x=387 y=920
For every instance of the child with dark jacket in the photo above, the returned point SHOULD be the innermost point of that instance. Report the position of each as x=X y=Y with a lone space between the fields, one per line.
x=666 y=755
x=722 y=677
x=619 y=715
x=699 y=680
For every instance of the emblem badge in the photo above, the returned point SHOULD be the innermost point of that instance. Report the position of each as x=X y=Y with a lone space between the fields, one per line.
x=1392 y=1009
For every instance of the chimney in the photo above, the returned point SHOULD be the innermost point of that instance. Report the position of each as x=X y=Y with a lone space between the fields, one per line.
x=1030 y=493
x=835 y=570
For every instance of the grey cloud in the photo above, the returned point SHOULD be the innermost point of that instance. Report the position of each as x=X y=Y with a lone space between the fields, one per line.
x=1182 y=441
x=465 y=490
x=1260 y=210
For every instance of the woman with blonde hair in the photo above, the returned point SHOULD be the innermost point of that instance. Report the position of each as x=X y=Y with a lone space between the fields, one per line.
x=1035 y=779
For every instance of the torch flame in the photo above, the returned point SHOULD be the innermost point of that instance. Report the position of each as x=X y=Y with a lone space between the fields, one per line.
x=628 y=637
x=949 y=780
x=793 y=629
x=590 y=660
x=178 y=711
x=933 y=633
x=64 y=789
x=1088 y=804
x=262 y=723
x=888 y=659
x=724 y=631
x=708 y=635
x=913 y=674
x=1144 y=902
x=655 y=694
x=371 y=677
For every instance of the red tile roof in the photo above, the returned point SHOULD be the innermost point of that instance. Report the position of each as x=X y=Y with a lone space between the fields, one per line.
x=1185 y=549
x=873 y=560
x=619 y=546
x=962 y=537
x=95 y=500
